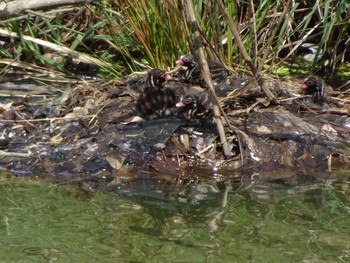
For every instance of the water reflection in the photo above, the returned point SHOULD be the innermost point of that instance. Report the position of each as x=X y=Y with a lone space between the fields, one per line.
x=237 y=220
x=250 y=219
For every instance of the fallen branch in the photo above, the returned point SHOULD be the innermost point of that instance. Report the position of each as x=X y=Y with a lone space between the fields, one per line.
x=13 y=8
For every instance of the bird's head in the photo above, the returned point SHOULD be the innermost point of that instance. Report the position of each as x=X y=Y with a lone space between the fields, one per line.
x=187 y=61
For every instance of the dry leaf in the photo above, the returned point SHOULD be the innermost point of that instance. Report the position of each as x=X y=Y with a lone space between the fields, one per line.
x=116 y=163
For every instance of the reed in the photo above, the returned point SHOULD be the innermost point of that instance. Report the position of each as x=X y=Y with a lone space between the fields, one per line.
x=129 y=35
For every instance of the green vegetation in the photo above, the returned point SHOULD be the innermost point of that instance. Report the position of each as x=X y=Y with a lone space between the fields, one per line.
x=123 y=36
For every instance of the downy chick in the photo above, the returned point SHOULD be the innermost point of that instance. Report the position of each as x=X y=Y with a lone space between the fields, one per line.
x=195 y=105
x=155 y=100
x=315 y=86
x=193 y=73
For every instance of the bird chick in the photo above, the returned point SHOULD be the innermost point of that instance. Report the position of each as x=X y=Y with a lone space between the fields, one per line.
x=155 y=100
x=316 y=87
x=195 y=104
x=193 y=73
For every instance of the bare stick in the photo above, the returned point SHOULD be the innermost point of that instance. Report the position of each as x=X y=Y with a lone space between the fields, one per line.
x=13 y=8
x=14 y=154
x=197 y=45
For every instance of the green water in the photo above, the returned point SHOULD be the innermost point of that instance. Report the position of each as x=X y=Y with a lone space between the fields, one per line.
x=224 y=223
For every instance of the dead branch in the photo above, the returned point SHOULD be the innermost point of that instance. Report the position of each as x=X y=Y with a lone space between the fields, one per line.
x=13 y=8
x=244 y=53
x=197 y=45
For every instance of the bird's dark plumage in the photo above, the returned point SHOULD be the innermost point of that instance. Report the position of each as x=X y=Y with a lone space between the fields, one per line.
x=193 y=73
x=195 y=104
x=316 y=87
x=155 y=100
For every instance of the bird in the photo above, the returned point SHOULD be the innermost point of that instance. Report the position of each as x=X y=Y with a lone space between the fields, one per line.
x=195 y=105
x=155 y=100
x=193 y=73
x=316 y=87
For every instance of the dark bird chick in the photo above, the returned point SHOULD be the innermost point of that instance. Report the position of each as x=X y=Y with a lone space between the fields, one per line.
x=316 y=87
x=193 y=73
x=155 y=100
x=195 y=105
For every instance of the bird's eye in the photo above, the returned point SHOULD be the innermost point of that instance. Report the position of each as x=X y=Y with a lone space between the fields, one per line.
x=187 y=100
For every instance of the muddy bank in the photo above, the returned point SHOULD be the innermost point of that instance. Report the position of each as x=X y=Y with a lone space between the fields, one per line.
x=95 y=135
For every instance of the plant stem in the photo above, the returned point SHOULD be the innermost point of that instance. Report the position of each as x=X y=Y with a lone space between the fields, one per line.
x=198 y=47
x=244 y=53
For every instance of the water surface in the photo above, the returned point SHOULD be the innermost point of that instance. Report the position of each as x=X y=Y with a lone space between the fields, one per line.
x=145 y=221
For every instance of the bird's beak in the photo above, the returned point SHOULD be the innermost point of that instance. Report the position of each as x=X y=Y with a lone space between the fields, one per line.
x=180 y=62
x=180 y=104
x=304 y=86
x=167 y=77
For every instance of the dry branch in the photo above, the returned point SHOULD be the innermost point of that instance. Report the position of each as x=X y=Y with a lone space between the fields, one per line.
x=17 y=7
x=244 y=53
x=198 y=46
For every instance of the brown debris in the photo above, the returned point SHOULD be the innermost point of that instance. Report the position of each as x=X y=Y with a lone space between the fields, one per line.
x=95 y=135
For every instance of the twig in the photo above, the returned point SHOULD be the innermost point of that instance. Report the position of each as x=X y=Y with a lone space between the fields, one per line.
x=298 y=43
x=244 y=53
x=14 y=154
x=40 y=14
x=272 y=36
x=48 y=119
x=197 y=45
x=206 y=149
x=294 y=98
x=180 y=147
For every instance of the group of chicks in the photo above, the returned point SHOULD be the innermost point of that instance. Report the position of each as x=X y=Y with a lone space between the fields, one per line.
x=158 y=101
x=190 y=100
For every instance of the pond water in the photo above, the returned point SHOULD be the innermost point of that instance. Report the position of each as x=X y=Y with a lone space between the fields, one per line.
x=229 y=221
